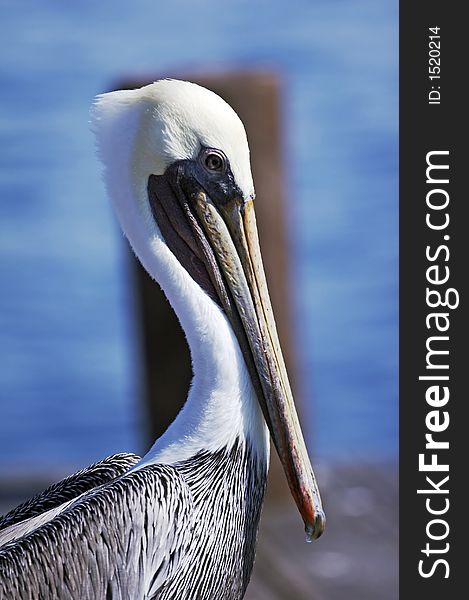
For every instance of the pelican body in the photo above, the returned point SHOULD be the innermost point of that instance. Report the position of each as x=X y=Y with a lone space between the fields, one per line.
x=181 y=523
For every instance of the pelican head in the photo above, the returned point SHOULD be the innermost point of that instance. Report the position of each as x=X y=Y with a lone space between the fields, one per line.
x=178 y=171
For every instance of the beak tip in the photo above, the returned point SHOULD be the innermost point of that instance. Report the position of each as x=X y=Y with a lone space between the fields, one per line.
x=315 y=529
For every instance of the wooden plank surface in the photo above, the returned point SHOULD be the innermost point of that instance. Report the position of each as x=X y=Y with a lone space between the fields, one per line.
x=355 y=559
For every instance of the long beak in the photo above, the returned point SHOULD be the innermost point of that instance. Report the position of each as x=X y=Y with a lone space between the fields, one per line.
x=232 y=233
x=223 y=237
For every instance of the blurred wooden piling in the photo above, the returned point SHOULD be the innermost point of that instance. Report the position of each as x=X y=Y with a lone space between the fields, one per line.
x=256 y=97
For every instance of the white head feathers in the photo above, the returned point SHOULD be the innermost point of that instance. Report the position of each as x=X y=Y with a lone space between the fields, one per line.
x=151 y=127
x=139 y=133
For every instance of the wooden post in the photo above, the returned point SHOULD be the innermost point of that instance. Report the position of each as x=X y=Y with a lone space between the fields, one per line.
x=256 y=97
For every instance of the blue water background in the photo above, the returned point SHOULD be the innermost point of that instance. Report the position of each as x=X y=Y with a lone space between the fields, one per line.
x=68 y=347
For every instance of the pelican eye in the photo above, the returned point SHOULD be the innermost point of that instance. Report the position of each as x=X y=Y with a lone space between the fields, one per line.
x=214 y=161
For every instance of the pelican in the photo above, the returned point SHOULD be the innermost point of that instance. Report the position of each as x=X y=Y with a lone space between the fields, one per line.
x=180 y=523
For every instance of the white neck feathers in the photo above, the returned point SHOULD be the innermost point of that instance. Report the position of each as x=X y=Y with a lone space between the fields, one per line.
x=221 y=406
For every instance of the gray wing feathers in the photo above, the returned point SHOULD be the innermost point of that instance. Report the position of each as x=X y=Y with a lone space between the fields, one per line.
x=70 y=487
x=120 y=541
